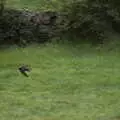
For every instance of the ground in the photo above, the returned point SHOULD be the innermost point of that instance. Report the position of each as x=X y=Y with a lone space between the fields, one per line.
x=67 y=82
x=35 y=4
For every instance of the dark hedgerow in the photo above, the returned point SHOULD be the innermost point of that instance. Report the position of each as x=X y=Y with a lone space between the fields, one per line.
x=21 y=27
x=92 y=18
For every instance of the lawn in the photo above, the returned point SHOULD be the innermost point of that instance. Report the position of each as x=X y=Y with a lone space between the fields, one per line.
x=66 y=83
x=35 y=4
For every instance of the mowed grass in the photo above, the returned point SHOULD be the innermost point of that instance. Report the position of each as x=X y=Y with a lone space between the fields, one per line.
x=66 y=83
x=35 y=4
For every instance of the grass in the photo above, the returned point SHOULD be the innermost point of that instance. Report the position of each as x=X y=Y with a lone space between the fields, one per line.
x=66 y=83
x=35 y=4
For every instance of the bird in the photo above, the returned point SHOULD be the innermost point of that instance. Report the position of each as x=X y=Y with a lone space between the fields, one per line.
x=23 y=69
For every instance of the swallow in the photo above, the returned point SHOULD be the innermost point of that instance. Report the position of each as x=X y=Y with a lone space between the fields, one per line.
x=24 y=69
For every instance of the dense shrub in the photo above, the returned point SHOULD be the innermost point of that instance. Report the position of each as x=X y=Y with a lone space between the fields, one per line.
x=21 y=27
x=92 y=18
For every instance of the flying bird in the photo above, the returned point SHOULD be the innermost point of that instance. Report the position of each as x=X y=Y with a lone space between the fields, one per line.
x=24 y=69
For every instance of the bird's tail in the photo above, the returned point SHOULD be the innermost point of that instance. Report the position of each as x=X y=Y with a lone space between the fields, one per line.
x=25 y=74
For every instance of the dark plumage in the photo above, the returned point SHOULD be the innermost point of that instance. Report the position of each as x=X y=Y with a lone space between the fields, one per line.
x=23 y=69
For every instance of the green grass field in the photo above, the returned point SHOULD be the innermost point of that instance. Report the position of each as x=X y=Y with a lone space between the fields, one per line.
x=66 y=83
x=35 y=4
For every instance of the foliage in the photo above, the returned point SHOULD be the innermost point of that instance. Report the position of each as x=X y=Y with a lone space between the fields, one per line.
x=92 y=18
x=21 y=27
x=2 y=5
